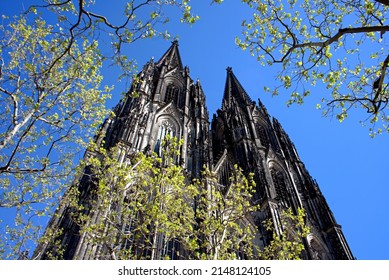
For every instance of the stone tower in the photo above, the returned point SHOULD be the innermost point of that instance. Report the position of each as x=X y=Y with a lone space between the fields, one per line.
x=168 y=101
x=243 y=133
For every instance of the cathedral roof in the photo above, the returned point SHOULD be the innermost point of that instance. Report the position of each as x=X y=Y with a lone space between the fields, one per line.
x=172 y=57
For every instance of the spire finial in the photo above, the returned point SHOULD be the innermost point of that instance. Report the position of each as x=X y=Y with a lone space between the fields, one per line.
x=229 y=69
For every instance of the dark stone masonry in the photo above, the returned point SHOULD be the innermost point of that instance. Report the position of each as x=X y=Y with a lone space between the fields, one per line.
x=241 y=132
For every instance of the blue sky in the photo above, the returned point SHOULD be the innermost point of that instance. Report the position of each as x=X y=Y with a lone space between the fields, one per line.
x=350 y=167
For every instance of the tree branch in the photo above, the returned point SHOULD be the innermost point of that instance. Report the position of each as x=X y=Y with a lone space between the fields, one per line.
x=336 y=37
x=377 y=98
x=20 y=140
x=49 y=5
x=15 y=105
x=383 y=2
x=15 y=129
x=354 y=30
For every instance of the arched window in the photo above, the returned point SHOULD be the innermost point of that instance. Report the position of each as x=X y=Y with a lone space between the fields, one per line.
x=171 y=94
x=165 y=128
x=261 y=183
x=280 y=186
x=262 y=135
x=238 y=128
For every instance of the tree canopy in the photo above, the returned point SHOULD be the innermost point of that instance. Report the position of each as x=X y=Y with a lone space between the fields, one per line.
x=53 y=98
x=339 y=44
x=145 y=207
x=135 y=205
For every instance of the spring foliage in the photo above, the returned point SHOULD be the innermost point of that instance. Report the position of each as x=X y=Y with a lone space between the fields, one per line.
x=145 y=208
x=340 y=45
x=53 y=99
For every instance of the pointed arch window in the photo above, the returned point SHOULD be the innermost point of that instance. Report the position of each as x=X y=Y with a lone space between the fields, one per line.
x=238 y=128
x=171 y=94
x=280 y=186
x=166 y=128
x=261 y=184
x=262 y=135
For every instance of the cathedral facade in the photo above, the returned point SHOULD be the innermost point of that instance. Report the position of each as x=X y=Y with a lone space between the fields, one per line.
x=242 y=132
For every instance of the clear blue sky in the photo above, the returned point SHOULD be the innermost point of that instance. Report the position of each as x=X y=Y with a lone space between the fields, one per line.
x=350 y=167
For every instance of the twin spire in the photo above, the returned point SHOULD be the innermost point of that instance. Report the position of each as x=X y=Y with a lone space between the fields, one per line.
x=233 y=88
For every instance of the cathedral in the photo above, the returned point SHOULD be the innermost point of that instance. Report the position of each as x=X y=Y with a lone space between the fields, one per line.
x=169 y=102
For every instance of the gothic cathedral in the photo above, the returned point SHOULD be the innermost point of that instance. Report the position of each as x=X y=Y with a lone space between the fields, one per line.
x=241 y=132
